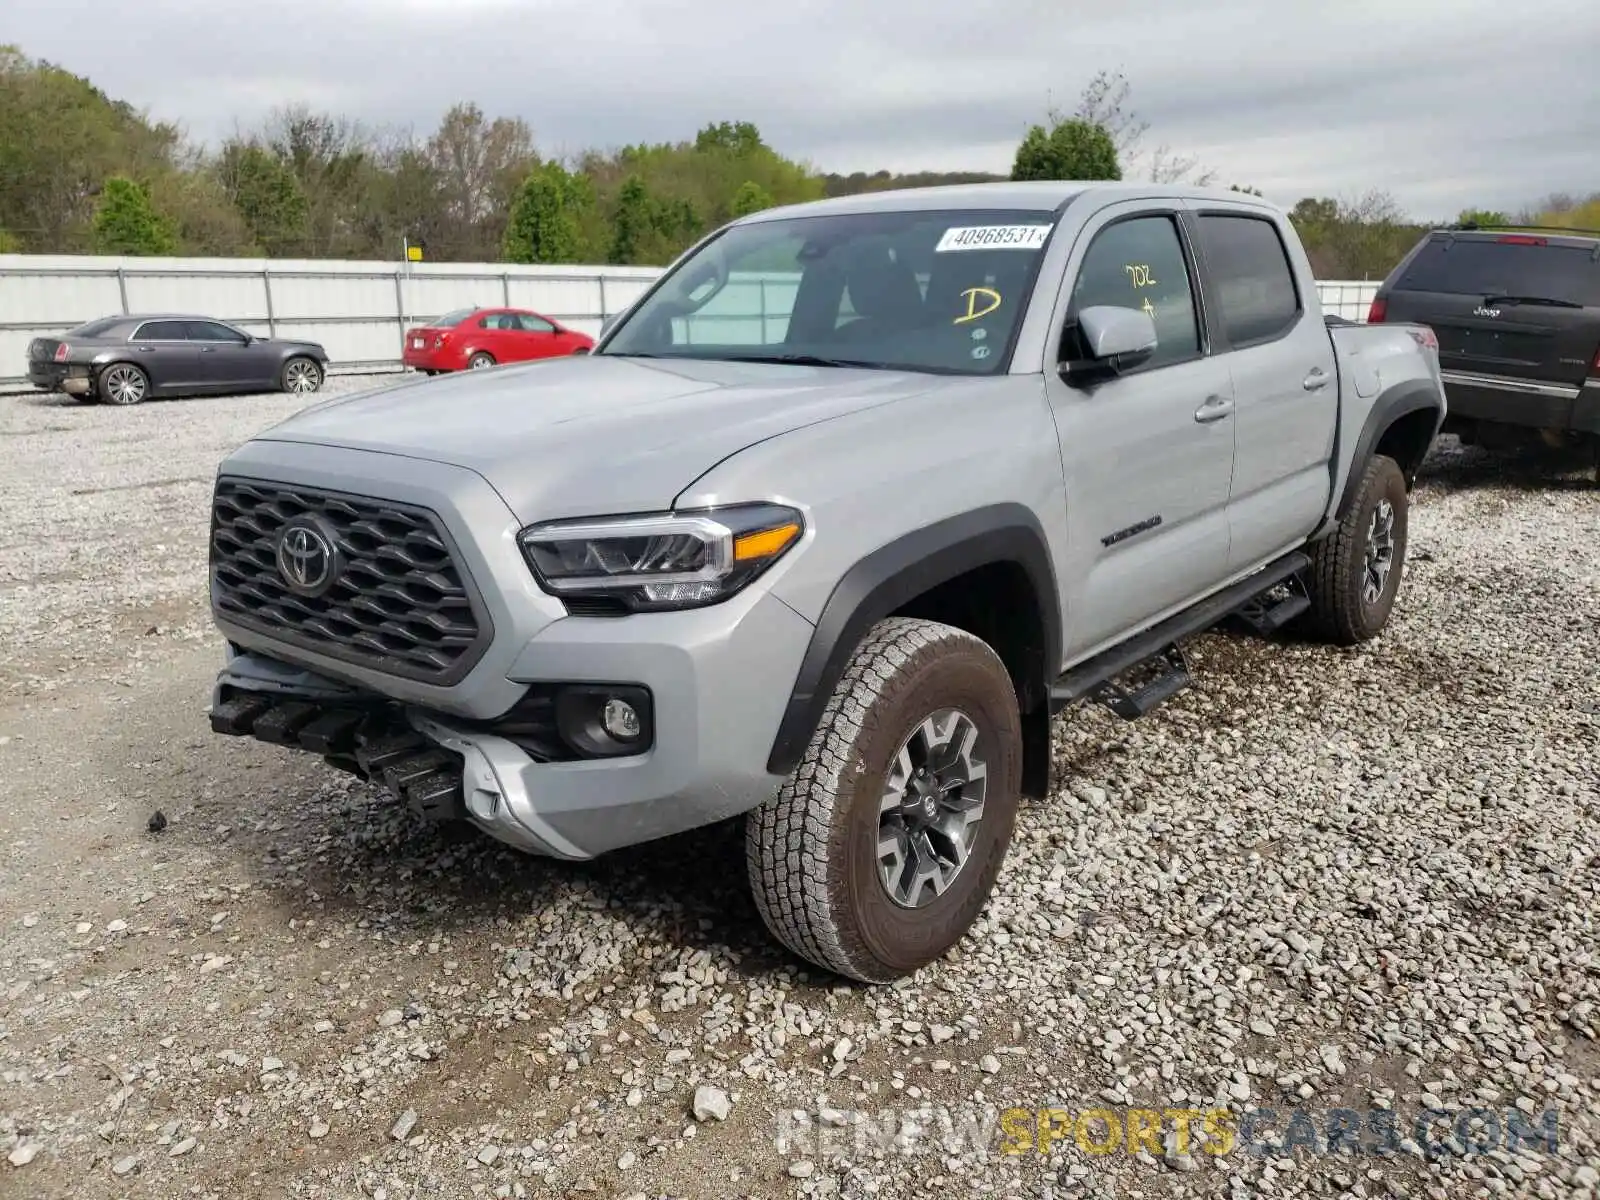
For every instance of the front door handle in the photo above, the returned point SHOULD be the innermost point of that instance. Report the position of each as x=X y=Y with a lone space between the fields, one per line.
x=1214 y=409
x=1317 y=380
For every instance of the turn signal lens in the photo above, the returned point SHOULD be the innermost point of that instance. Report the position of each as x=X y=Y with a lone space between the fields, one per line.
x=769 y=542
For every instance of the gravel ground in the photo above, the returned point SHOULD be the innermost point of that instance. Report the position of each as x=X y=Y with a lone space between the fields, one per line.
x=1318 y=880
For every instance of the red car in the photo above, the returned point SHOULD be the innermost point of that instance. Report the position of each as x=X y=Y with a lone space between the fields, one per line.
x=470 y=338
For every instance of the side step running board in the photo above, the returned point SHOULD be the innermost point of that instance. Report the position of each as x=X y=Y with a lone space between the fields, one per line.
x=1274 y=608
x=1168 y=674
x=1157 y=647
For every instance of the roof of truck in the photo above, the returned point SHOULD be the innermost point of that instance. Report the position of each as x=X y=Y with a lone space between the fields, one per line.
x=1033 y=194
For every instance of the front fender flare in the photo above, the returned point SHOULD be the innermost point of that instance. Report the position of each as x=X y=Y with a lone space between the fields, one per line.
x=899 y=571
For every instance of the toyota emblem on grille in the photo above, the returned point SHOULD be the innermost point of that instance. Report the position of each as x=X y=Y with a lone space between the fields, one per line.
x=308 y=560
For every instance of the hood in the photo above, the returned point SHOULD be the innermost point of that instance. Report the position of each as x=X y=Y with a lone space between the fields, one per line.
x=588 y=436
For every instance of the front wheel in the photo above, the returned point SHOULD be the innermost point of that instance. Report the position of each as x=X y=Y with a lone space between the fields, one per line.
x=881 y=849
x=1355 y=571
x=301 y=376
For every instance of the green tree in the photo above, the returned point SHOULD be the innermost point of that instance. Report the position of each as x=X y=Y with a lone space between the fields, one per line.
x=264 y=189
x=1069 y=149
x=635 y=221
x=9 y=244
x=750 y=198
x=546 y=221
x=738 y=138
x=125 y=222
x=1481 y=216
x=60 y=139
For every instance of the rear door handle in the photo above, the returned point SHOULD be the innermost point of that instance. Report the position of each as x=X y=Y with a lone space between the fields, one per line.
x=1317 y=380
x=1214 y=409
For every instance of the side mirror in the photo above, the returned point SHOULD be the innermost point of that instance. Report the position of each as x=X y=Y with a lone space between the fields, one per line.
x=1117 y=339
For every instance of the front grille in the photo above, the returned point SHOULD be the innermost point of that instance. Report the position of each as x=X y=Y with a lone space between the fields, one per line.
x=400 y=603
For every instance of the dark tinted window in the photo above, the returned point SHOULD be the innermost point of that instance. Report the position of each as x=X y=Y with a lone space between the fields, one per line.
x=163 y=331
x=1251 y=276
x=210 y=331
x=1484 y=267
x=94 y=329
x=1139 y=263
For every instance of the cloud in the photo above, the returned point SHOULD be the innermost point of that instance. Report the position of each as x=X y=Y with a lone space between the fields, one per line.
x=1443 y=103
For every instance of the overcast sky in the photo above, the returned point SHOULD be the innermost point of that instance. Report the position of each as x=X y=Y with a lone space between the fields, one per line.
x=1443 y=103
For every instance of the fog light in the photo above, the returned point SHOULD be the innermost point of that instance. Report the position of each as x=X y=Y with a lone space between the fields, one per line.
x=620 y=720
x=601 y=720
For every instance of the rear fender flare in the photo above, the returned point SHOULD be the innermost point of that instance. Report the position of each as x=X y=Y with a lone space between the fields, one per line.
x=898 y=572
x=1414 y=395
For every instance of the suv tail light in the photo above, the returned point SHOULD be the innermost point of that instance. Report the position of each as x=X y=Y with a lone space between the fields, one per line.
x=1378 y=311
x=1522 y=239
x=61 y=352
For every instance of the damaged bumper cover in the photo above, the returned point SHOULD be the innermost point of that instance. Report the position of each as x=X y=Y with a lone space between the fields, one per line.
x=441 y=771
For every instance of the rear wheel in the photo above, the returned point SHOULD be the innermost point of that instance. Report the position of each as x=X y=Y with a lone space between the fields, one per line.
x=301 y=375
x=884 y=845
x=123 y=383
x=1355 y=571
x=480 y=360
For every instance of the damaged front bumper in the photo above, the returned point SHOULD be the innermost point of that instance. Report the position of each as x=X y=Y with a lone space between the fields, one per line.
x=441 y=770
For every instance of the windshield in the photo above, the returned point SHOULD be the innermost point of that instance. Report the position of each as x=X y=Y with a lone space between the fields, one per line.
x=1521 y=266
x=451 y=319
x=921 y=291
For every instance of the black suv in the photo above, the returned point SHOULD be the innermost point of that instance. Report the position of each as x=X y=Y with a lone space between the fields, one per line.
x=1517 y=314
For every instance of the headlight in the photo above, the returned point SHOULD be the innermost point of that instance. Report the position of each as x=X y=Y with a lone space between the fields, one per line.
x=671 y=561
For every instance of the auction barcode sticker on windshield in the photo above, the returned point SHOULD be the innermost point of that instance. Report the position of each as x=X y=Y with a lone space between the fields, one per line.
x=993 y=237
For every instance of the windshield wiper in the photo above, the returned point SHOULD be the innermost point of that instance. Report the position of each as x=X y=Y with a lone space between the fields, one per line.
x=809 y=360
x=1544 y=300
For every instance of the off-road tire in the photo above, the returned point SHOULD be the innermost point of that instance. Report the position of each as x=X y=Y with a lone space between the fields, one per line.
x=480 y=361
x=812 y=850
x=1339 y=613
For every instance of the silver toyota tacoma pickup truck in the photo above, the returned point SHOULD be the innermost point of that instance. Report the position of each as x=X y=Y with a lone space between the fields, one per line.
x=829 y=525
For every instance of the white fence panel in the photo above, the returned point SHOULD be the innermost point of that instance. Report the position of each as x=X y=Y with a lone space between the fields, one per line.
x=359 y=310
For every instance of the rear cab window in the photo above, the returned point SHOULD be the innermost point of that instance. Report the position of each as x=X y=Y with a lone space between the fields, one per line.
x=1520 y=265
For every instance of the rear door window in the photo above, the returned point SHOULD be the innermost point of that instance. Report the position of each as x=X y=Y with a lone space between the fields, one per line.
x=1484 y=267
x=163 y=331
x=1251 y=277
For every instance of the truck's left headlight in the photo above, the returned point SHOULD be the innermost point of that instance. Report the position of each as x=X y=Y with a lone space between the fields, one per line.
x=661 y=562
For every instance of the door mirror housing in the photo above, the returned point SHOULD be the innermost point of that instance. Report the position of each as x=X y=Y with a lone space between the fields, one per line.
x=1118 y=339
